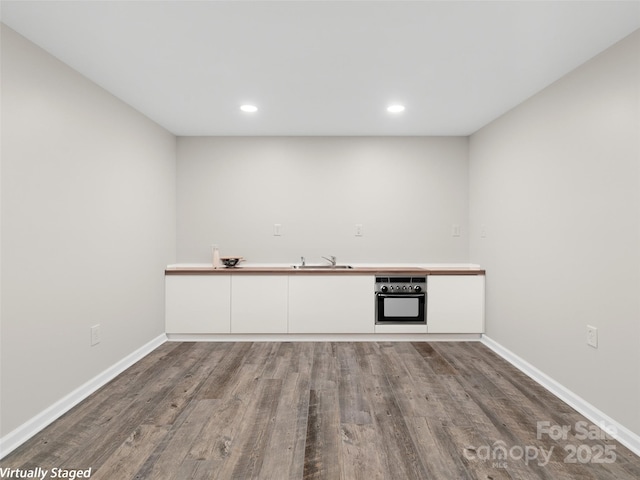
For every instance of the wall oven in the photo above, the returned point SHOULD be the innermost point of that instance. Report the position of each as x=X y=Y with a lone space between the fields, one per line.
x=401 y=300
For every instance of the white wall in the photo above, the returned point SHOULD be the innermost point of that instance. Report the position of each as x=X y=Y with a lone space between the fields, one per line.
x=407 y=192
x=556 y=185
x=88 y=225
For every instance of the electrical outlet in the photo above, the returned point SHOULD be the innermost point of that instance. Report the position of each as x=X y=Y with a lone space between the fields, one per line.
x=95 y=335
x=455 y=230
x=592 y=336
x=359 y=231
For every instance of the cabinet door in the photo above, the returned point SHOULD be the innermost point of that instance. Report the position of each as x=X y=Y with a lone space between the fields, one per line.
x=198 y=304
x=259 y=304
x=331 y=304
x=455 y=304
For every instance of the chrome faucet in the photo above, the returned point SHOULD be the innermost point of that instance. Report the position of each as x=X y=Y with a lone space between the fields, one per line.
x=331 y=259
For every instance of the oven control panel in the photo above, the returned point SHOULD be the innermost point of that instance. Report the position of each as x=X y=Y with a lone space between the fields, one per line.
x=400 y=285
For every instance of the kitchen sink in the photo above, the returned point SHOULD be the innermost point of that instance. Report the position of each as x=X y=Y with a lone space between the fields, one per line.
x=321 y=267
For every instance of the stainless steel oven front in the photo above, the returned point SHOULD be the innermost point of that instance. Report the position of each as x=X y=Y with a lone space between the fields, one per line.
x=401 y=300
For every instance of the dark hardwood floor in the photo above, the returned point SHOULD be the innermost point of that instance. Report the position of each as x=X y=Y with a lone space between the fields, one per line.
x=281 y=410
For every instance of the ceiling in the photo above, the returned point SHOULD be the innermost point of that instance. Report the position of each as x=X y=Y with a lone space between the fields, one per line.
x=323 y=67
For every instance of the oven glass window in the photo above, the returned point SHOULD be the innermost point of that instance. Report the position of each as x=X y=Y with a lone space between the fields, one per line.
x=401 y=307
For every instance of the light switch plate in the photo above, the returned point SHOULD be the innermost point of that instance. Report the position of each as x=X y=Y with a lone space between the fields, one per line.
x=95 y=335
x=592 y=336
x=277 y=230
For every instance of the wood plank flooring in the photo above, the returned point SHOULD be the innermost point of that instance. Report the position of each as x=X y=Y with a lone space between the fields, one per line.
x=324 y=410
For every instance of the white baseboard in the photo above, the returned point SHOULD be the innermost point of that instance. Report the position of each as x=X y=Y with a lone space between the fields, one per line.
x=625 y=436
x=24 y=432
x=325 y=337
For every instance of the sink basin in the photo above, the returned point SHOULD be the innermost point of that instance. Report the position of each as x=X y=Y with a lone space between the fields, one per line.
x=321 y=267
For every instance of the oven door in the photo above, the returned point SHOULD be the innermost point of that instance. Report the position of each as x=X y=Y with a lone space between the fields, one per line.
x=400 y=308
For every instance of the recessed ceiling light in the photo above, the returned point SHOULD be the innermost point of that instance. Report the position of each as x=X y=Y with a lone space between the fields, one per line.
x=249 y=108
x=395 y=108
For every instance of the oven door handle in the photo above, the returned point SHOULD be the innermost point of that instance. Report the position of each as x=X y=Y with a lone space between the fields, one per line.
x=400 y=295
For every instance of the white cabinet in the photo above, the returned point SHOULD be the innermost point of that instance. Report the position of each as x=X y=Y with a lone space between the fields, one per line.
x=198 y=304
x=305 y=304
x=455 y=304
x=331 y=304
x=259 y=303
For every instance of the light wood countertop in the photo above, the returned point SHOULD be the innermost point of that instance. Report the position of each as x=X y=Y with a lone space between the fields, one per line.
x=356 y=270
